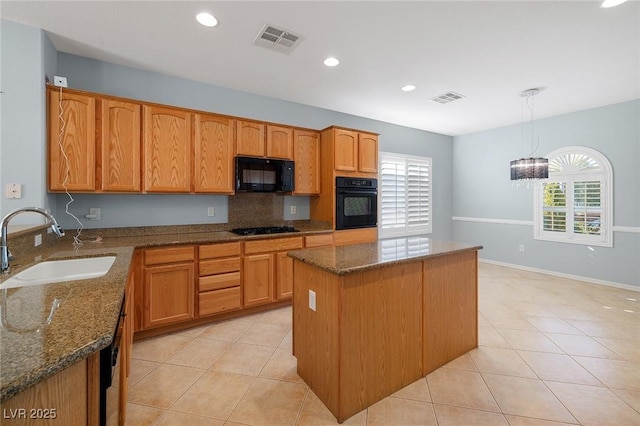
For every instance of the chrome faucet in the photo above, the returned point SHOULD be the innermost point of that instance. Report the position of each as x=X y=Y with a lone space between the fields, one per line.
x=5 y=253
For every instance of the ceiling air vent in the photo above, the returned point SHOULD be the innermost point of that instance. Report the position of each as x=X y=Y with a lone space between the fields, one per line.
x=277 y=39
x=447 y=97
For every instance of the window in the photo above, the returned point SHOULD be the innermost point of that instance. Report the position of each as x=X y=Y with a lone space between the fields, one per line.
x=405 y=195
x=575 y=204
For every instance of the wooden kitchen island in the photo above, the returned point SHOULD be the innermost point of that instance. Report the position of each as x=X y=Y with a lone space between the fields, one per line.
x=386 y=314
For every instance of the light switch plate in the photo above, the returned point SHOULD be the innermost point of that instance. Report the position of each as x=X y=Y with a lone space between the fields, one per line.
x=312 y=300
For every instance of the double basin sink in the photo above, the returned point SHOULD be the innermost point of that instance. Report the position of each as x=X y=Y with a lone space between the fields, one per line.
x=55 y=271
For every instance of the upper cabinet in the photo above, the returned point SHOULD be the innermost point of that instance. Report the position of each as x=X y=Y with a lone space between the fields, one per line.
x=167 y=149
x=367 y=153
x=71 y=142
x=118 y=141
x=355 y=151
x=345 y=153
x=306 y=156
x=213 y=153
x=279 y=142
x=250 y=138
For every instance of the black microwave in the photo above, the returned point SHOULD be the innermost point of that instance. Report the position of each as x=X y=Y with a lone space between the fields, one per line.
x=264 y=175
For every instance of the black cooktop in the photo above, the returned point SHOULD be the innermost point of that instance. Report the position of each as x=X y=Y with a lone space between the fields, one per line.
x=264 y=230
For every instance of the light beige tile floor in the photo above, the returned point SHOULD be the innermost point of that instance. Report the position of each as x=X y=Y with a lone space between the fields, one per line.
x=552 y=351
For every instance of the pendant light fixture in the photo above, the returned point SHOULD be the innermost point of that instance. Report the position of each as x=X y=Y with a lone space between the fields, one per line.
x=532 y=168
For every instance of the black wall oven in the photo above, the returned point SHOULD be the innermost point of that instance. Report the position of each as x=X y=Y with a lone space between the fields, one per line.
x=356 y=203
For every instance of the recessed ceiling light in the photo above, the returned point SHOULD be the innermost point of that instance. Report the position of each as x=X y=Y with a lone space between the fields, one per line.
x=408 y=88
x=331 y=61
x=612 y=3
x=207 y=19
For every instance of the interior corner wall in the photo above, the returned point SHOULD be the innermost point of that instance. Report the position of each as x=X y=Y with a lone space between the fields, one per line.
x=489 y=211
x=22 y=146
x=117 y=80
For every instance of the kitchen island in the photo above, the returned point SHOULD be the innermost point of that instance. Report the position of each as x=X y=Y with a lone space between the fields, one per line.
x=369 y=319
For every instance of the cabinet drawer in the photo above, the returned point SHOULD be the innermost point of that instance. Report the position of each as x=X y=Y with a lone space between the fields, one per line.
x=211 y=302
x=355 y=236
x=216 y=282
x=169 y=255
x=318 y=240
x=277 y=244
x=219 y=266
x=213 y=251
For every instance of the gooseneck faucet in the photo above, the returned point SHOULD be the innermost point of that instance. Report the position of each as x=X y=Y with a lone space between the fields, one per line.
x=5 y=253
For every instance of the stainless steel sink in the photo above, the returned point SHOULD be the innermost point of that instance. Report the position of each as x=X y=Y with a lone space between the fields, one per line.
x=55 y=271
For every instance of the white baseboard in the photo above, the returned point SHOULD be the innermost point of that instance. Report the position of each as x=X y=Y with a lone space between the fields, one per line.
x=563 y=275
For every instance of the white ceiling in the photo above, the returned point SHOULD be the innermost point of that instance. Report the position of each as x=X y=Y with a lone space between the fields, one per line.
x=489 y=51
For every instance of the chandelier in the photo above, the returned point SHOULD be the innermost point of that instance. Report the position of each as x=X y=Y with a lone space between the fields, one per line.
x=532 y=168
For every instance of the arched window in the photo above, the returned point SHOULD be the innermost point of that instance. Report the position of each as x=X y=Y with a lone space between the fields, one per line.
x=575 y=205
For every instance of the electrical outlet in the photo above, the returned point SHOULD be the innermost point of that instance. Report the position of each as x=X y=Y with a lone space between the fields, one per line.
x=312 y=300
x=294 y=209
x=59 y=81
x=211 y=211
x=37 y=240
x=94 y=213
x=521 y=248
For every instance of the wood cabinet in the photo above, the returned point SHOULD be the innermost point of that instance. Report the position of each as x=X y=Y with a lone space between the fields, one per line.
x=70 y=397
x=355 y=236
x=166 y=149
x=279 y=142
x=219 y=278
x=118 y=145
x=345 y=152
x=320 y=240
x=117 y=393
x=367 y=153
x=257 y=279
x=71 y=142
x=267 y=271
x=168 y=286
x=213 y=153
x=250 y=138
x=306 y=155
x=355 y=151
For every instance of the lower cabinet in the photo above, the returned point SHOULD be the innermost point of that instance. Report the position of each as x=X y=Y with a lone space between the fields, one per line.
x=267 y=270
x=219 y=278
x=168 y=286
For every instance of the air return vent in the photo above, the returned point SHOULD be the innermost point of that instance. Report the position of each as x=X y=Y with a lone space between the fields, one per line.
x=278 y=39
x=445 y=98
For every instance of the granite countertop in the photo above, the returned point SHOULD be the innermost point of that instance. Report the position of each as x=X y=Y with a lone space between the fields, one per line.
x=359 y=257
x=32 y=350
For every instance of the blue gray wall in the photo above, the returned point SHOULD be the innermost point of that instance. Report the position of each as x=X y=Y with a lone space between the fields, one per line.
x=485 y=201
x=101 y=77
x=27 y=55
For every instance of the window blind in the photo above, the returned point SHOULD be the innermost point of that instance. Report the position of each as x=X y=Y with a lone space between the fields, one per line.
x=405 y=195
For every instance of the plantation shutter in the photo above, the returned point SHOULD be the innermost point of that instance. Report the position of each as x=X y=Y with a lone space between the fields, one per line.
x=405 y=195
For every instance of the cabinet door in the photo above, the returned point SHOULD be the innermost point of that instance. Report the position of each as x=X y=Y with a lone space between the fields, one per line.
x=279 y=142
x=72 y=152
x=119 y=143
x=345 y=154
x=284 y=276
x=213 y=154
x=168 y=294
x=368 y=153
x=258 y=279
x=250 y=139
x=306 y=155
x=167 y=150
